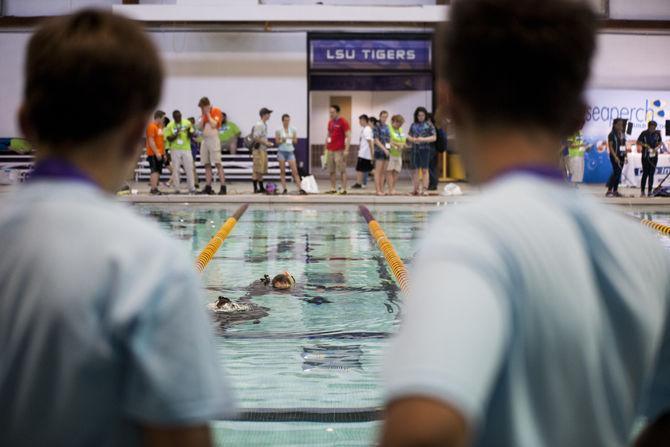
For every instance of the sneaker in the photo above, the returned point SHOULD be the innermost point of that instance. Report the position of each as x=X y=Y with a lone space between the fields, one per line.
x=208 y=190
x=155 y=192
x=223 y=191
x=343 y=192
x=332 y=191
x=609 y=194
x=650 y=194
x=356 y=186
x=302 y=192
x=642 y=194
x=617 y=194
x=197 y=186
x=432 y=188
x=285 y=191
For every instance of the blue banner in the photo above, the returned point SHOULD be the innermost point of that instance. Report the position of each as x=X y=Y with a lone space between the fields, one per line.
x=370 y=54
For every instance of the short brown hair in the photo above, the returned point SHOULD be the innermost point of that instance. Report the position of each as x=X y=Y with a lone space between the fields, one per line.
x=520 y=62
x=204 y=101
x=86 y=73
x=398 y=119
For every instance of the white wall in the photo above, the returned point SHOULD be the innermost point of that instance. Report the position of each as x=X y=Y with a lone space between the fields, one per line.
x=632 y=61
x=56 y=7
x=239 y=72
x=640 y=9
x=369 y=103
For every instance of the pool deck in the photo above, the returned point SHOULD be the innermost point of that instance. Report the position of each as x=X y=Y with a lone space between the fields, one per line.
x=241 y=192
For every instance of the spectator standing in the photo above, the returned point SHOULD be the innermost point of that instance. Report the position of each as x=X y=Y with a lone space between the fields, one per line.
x=337 y=148
x=398 y=144
x=168 y=156
x=439 y=148
x=179 y=133
x=229 y=133
x=104 y=337
x=550 y=328
x=259 y=153
x=196 y=141
x=210 y=149
x=421 y=135
x=382 y=136
x=616 y=143
x=650 y=142
x=365 y=153
x=155 y=150
x=286 y=138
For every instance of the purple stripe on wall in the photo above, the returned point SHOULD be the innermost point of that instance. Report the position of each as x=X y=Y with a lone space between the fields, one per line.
x=410 y=82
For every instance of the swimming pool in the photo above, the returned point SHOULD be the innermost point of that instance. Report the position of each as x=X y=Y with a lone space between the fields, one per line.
x=308 y=372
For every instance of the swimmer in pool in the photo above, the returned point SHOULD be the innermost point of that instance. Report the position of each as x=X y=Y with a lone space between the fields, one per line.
x=283 y=281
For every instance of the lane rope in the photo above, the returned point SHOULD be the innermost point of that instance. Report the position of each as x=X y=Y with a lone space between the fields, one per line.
x=213 y=245
x=392 y=259
x=661 y=228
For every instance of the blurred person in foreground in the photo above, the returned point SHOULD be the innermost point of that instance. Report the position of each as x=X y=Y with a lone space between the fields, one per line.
x=530 y=321
x=104 y=337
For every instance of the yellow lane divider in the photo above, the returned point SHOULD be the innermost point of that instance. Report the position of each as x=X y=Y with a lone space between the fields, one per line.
x=397 y=266
x=213 y=245
x=665 y=229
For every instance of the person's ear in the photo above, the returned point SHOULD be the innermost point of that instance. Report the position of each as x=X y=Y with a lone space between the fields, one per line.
x=24 y=123
x=132 y=132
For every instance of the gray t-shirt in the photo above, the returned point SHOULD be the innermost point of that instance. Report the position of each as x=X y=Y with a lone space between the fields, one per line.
x=98 y=334
x=260 y=133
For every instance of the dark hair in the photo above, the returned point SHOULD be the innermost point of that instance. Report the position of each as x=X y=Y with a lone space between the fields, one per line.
x=383 y=112
x=286 y=115
x=364 y=117
x=204 y=101
x=652 y=123
x=94 y=67
x=373 y=120
x=159 y=114
x=336 y=107
x=519 y=62
x=166 y=121
x=614 y=123
x=419 y=110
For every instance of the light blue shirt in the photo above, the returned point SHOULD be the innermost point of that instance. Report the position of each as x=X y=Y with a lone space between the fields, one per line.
x=539 y=315
x=287 y=146
x=102 y=323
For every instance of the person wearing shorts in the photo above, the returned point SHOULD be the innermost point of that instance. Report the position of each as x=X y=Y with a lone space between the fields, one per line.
x=260 y=151
x=155 y=150
x=365 y=153
x=422 y=135
x=398 y=143
x=286 y=137
x=382 y=146
x=337 y=146
x=210 y=149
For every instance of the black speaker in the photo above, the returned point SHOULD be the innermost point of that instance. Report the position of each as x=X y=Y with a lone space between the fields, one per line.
x=667 y=128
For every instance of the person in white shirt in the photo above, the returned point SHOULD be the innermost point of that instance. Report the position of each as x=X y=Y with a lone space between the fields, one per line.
x=530 y=320
x=286 y=138
x=104 y=334
x=365 y=153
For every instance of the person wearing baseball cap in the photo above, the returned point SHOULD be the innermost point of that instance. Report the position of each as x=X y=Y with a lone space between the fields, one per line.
x=260 y=150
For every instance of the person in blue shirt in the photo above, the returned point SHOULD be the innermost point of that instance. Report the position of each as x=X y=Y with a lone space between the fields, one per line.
x=529 y=321
x=651 y=143
x=104 y=332
x=422 y=135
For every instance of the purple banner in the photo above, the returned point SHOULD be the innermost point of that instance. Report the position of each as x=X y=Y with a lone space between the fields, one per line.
x=370 y=54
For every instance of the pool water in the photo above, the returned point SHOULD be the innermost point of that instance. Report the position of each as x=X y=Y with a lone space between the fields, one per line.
x=306 y=370
x=307 y=373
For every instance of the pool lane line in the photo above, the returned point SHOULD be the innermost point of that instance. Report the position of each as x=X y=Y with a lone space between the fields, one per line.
x=323 y=415
x=213 y=245
x=661 y=228
x=392 y=259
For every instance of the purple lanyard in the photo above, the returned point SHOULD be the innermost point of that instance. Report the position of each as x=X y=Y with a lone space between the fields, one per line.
x=58 y=169
x=542 y=171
